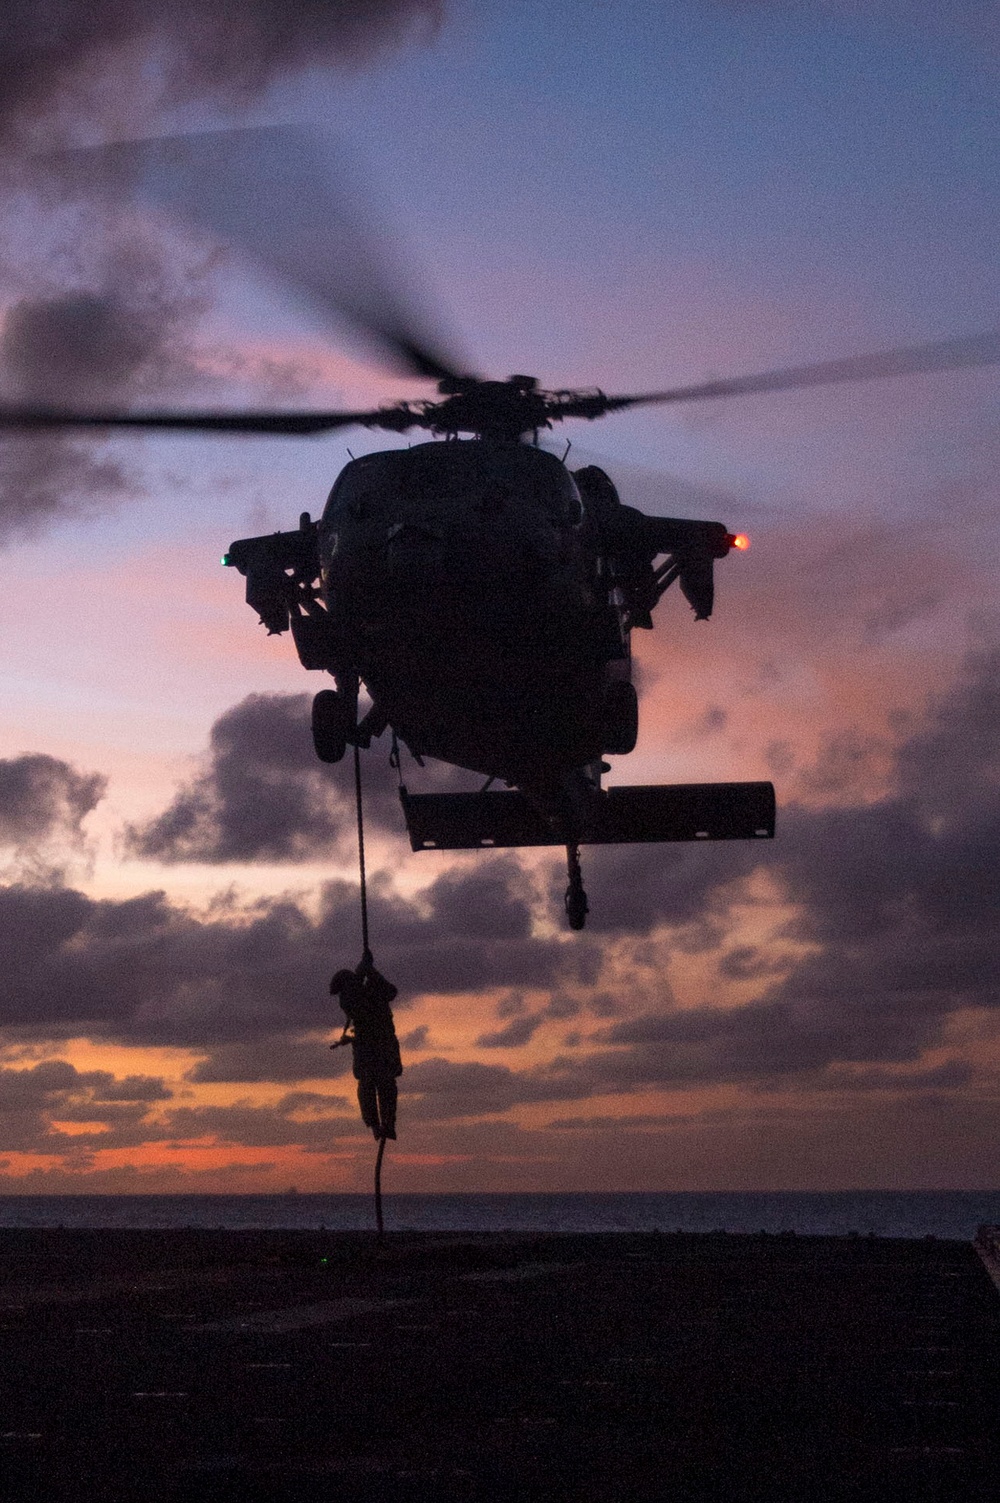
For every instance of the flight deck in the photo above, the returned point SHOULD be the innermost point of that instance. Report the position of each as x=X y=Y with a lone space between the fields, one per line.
x=289 y=1366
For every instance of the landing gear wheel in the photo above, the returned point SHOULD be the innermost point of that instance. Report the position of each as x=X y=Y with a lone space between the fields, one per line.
x=330 y=725
x=577 y=906
x=620 y=728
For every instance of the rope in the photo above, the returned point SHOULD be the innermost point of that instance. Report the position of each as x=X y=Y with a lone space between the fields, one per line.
x=378 y=1189
x=361 y=851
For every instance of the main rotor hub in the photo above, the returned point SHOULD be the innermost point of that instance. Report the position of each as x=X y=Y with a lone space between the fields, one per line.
x=495 y=409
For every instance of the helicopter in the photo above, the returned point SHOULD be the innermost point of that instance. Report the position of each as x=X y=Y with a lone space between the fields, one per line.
x=484 y=595
x=480 y=592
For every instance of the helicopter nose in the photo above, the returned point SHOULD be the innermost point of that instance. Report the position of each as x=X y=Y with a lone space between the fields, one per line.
x=415 y=555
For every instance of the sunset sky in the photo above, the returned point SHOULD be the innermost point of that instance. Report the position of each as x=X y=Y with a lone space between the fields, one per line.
x=631 y=194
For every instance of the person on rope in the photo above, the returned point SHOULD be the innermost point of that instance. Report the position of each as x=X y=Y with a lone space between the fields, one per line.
x=365 y=996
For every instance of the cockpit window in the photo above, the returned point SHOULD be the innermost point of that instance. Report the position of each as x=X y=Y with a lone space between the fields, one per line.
x=458 y=473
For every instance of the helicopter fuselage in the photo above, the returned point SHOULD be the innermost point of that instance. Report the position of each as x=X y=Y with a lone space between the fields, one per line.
x=462 y=585
x=484 y=597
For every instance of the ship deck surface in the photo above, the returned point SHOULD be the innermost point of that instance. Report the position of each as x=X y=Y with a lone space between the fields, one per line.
x=309 y=1365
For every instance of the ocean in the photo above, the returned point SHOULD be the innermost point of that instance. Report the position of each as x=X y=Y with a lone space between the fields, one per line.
x=896 y=1213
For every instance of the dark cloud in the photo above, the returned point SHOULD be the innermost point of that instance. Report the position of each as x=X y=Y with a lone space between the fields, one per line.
x=943 y=804
x=523 y=1025
x=950 y=1075
x=635 y=888
x=446 y=953
x=123 y=330
x=42 y=798
x=846 y=766
x=285 y=1125
x=264 y=796
x=148 y=970
x=33 y=1099
x=562 y=1008
x=56 y=1079
x=45 y=479
x=747 y=963
x=889 y=928
x=85 y=59
x=446 y=1090
x=278 y=1056
x=110 y=314
x=250 y=985
x=897 y=910
x=39 y=1104
x=490 y=902
x=758 y=1040
x=517 y=1032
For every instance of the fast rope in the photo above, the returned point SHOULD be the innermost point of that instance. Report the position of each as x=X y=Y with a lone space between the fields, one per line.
x=367 y=954
x=361 y=852
x=378 y=1188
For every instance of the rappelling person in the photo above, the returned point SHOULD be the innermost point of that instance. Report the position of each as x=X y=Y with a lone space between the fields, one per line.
x=365 y=996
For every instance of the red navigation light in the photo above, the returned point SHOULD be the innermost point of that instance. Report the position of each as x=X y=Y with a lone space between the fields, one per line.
x=740 y=541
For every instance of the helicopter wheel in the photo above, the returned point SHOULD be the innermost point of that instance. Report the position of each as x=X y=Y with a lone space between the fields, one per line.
x=329 y=725
x=621 y=718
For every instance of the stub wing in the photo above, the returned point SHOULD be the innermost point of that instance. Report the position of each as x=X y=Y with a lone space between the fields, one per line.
x=615 y=816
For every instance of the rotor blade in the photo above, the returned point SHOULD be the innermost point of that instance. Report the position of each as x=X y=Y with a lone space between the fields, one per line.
x=943 y=355
x=397 y=419
x=269 y=192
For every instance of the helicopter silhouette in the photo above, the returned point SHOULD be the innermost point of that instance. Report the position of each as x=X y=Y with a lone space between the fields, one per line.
x=481 y=593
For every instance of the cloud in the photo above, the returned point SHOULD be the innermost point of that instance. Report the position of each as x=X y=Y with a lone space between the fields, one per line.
x=634 y=889
x=447 y=1090
x=126 y=330
x=277 y=1056
x=120 y=326
x=53 y=1108
x=57 y=1079
x=284 y=1125
x=249 y=984
x=31 y=1100
x=90 y=60
x=876 y=926
x=896 y=906
x=44 y=799
x=100 y=310
x=264 y=796
x=45 y=479
x=517 y=1032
